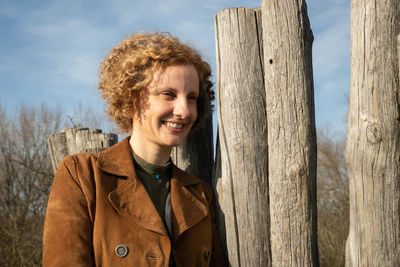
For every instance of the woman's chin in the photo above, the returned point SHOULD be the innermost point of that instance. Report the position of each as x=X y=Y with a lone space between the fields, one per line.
x=175 y=144
x=173 y=140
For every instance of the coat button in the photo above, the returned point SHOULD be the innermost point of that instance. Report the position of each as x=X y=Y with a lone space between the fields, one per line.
x=121 y=251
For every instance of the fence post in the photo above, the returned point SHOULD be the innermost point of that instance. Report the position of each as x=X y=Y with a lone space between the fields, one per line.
x=196 y=154
x=78 y=139
x=373 y=135
x=292 y=151
x=242 y=187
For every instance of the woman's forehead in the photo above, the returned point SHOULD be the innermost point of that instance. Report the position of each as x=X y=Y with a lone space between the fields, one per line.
x=185 y=76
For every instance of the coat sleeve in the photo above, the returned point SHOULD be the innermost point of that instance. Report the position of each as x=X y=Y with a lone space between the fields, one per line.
x=67 y=235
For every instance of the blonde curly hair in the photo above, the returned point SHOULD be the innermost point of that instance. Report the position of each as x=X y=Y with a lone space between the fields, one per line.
x=130 y=66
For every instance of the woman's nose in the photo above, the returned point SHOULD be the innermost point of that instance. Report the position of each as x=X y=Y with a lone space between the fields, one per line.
x=182 y=108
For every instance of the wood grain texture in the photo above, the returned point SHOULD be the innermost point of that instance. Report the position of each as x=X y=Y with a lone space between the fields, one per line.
x=373 y=135
x=76 y=140
x=196 y=153
x=287 y=39
x=242 y=188
x=219 y=197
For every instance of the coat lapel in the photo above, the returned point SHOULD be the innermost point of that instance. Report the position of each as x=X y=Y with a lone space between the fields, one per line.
x=187 y=207
x=130 y=198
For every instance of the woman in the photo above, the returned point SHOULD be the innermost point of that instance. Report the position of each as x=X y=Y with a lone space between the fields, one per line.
x=129 y=205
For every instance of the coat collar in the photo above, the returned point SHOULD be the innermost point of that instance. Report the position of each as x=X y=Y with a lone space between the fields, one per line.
x=117 y=160
x=131 y=199
x=188 y=207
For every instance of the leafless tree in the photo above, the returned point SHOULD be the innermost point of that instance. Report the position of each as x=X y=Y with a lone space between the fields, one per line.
x=333 y=199
x=25 y=179
x=87 y=116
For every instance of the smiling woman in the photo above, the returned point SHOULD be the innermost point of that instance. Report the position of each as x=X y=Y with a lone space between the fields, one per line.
x=130 y=205
x=131 y=66
x=170 y=114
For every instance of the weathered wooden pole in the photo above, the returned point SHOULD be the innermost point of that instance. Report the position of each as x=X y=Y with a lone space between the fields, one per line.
x=243 y=186
x=292 y=151
x=219 y=197
x=196 y=154
x=78 y=139
x=373 y=135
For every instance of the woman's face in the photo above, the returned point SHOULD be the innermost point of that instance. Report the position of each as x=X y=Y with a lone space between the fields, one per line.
x=171 y=109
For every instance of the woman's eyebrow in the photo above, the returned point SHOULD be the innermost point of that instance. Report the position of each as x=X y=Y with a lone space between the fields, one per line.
x=167 y=88
x=196 y=93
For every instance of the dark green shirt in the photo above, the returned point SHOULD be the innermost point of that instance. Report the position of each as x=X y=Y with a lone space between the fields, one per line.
x=156 y=180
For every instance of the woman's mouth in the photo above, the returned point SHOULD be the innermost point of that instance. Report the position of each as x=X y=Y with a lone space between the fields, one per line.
x=173 y=124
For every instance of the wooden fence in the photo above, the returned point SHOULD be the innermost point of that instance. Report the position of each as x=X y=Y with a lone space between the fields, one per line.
x=78 y=139
x=264 y=174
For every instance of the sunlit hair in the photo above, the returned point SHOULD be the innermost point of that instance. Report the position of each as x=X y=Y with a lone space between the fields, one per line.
x=130 y=66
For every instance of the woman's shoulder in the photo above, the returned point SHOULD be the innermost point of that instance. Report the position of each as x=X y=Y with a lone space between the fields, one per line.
x=186 y=178
x=81 y=161
x=115 y=159
x=193 y=183
x=79 y=168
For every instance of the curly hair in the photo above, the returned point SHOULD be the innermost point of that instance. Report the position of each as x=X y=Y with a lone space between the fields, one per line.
x=130 y=66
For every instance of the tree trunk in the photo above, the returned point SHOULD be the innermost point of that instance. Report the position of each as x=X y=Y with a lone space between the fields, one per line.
x=196 y=154
x=243 y=186
x=291 y=132
x=373 y=135
x=76 y=140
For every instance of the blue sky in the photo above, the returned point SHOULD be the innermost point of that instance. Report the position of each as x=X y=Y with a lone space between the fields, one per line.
x=50 y=50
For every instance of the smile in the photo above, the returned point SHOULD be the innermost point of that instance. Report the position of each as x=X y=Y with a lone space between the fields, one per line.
x=173 y=125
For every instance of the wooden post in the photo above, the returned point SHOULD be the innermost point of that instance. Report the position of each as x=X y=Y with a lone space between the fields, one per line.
x=219 y=197
x=196 y=154
x=373 y=135
x=292 y=146
x=243 y=186
x=78 y=139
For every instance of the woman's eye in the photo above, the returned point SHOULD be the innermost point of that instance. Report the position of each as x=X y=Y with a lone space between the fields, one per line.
x=194 y=98
x=168 y=94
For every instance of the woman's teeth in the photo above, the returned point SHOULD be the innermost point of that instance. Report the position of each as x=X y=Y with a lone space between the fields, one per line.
x=174 y=125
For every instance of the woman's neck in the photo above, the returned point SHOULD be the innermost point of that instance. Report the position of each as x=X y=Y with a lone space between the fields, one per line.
x=151 y=153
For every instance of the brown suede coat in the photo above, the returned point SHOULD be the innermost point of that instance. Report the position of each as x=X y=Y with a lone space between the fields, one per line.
x=97 y=203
